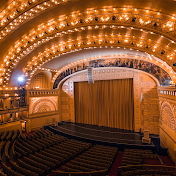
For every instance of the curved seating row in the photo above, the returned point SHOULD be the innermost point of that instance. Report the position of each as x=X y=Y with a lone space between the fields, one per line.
x=9 y=171
x=96 y=158
x=31 y=168
x=43 y=151
x=2 y=143
x=7 y=148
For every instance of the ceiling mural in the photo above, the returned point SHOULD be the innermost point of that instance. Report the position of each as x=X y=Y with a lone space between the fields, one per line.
x=162 y=76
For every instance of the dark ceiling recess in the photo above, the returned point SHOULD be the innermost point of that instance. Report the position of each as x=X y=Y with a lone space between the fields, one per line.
x=133 y=19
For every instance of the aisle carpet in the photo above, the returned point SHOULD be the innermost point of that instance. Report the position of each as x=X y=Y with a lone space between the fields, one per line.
x=116 y=164
x=167 y=161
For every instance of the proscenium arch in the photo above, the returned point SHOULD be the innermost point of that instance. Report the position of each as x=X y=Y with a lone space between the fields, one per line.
x=118 y=68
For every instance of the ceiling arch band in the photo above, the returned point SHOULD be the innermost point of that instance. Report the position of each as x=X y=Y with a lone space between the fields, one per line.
x=90 y=43
x=15 y=16
x=18 y=12
x=17 y=55
x=123 y=19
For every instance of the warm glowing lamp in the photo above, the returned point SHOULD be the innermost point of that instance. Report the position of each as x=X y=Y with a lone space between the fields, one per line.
x=20 y=79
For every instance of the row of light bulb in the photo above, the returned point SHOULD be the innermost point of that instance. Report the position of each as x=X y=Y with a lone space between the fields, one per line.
x=10 y=88
x=30 y=70
x=32 y=40
x=36 y=60
x=12 y=16
x=24 y=40
x=48 y=69
x=17 y=7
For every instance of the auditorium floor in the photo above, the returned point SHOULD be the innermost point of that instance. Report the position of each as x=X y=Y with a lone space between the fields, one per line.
x=167 y=161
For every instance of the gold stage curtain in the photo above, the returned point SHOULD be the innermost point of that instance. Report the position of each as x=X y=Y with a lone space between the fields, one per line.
x=105 y=103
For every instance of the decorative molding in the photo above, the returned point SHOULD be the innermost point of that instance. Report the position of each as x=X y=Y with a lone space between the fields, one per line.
x=43 y=104
x=167 y=114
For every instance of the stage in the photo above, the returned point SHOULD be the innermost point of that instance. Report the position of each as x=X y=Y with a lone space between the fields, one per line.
x=98 y=134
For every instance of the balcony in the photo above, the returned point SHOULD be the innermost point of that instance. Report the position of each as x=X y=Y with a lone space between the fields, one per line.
x=13 y=110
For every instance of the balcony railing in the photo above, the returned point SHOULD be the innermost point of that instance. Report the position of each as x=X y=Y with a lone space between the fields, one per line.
x=44 y=92
x=171 y=90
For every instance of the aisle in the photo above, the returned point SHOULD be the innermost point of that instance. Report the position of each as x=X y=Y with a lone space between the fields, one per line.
x=167 y=161
x=116 y=164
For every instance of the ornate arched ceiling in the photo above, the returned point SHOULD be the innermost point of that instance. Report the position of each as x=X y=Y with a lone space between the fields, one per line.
x=37 y=32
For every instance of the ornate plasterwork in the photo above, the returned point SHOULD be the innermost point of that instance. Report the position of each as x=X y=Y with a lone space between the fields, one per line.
x=43 y=104
x=167 y=115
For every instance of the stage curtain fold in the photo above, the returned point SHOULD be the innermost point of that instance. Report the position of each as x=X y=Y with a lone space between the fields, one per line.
x=105 y=103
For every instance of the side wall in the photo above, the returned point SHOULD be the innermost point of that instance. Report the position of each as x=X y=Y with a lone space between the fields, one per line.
x=146 y=109
x=167 y=124
x=37 y=121
x=11 y=126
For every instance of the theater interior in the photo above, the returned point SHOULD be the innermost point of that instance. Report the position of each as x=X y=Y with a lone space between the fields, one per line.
x=87 y=87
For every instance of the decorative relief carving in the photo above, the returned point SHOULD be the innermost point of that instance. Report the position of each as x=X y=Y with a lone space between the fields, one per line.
x=167 y=115
x=43 y=104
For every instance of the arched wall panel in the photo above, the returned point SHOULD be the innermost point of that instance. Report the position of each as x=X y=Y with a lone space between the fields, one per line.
x=43 y=104
x=40 y=80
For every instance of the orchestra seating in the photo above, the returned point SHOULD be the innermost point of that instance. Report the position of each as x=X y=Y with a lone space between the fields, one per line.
x=97 y=158
x=43 y=152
